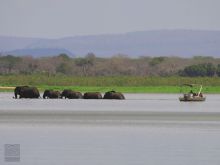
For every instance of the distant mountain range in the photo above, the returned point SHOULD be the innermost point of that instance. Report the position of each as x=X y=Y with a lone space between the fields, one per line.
x=184 y=43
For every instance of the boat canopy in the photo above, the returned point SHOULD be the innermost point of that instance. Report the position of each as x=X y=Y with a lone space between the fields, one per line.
x=194 y=85
x=191 y=85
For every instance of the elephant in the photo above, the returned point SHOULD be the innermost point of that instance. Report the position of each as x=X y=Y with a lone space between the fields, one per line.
x=92 y=95
x=71 y=94
x=51 y=94
x=26 y=92
x=114 y=95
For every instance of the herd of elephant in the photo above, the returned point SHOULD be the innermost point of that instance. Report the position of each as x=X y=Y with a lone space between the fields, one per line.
x=33 y=92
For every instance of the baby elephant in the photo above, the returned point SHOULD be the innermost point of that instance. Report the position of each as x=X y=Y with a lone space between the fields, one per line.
x=92 y=95
x=50 y=94
x=71 y=94
x=114 y=95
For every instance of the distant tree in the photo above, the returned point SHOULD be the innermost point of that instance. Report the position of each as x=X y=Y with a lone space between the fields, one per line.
x=211 y=69
x=156 y=61
x=63 y=68
x=199 y=70
x=28 y=65
x=63 y=56
x=90 y=58
x=86 y=63
x=9 y=62
x=118 y=65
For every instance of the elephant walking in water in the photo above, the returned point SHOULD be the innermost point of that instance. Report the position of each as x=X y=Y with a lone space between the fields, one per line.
x=71 y=94
x=92 y=95
x=51 y=94
x=114 y=95
x=26 y=92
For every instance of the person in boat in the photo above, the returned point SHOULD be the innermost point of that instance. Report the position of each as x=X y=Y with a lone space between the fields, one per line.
x=195 y=94
x=200 y=95
x=191 y=93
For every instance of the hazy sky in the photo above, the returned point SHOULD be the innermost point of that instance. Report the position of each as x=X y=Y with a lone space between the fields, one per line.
x=61 y=18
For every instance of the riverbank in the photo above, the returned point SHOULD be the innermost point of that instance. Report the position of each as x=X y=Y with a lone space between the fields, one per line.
x=130 y=89
x=125 y=84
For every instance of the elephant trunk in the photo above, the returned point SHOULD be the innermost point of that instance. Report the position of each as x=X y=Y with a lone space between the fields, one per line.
x=44 y=96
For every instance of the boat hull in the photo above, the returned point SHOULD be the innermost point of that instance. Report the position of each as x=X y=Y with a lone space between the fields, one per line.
x=192 y=98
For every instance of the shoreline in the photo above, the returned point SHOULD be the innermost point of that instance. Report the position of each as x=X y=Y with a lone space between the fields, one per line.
x=123 y=89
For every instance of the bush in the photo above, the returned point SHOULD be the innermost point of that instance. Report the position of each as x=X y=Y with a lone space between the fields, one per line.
x=201 y=70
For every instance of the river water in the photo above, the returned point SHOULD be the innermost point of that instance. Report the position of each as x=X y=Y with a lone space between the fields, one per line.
x=151 y=129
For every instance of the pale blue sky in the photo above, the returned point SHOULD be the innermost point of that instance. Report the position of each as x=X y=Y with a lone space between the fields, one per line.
x=62 y=18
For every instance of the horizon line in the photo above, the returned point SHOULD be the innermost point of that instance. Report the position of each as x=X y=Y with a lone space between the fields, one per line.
x=107 y=34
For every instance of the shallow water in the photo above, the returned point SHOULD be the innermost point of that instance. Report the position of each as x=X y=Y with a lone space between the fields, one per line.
x=133 y=102
x=144 y=129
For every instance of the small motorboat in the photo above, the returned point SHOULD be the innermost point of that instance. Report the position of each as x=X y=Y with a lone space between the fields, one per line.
x=192 y=96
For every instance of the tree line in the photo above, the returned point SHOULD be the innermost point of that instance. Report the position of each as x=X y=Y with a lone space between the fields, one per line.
x=119 y=65
x=201 y=70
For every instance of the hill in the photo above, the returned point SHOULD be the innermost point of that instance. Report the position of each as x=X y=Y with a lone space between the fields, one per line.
x=40 y=52
x=184 y=43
